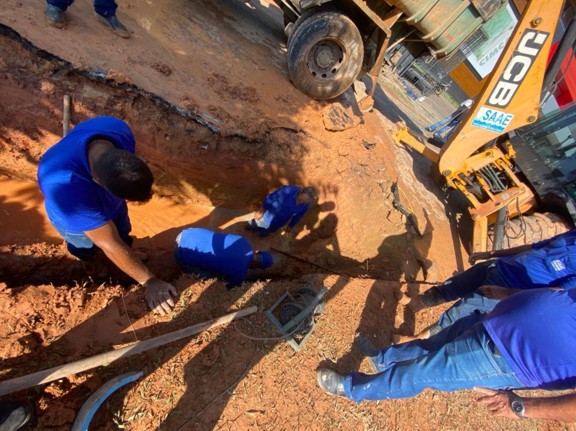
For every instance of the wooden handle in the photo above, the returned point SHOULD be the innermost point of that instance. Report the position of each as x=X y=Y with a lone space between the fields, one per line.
x=55 y=373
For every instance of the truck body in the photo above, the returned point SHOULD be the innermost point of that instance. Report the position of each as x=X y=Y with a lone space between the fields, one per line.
x=331 y=42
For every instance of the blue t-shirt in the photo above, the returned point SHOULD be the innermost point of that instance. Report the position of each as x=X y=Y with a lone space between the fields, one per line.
x=535 y=331
x=221 y=253
x=281 y=207
x=550 y=263
x=73 y=201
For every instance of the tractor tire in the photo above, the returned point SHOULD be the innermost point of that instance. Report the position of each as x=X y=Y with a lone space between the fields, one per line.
x=529 y=229
x=325 y=54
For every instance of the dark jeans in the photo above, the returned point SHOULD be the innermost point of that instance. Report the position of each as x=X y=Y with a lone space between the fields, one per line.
x=465 y=286
x=253 y=226
x=102 y=7
x=468 y=282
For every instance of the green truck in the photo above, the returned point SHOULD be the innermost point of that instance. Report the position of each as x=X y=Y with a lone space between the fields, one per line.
x=332 y=42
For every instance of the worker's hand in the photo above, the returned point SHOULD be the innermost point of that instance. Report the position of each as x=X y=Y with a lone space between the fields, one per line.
x=159 y=295
x=496 y=292
x=498 y=402
x=480 y=255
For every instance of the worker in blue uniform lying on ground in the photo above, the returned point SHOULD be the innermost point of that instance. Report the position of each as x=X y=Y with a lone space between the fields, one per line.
x=210 y=254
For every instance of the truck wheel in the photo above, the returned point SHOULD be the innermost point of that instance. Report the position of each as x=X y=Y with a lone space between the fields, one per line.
x=325 y=55
x=305 y=15
x=532 y=228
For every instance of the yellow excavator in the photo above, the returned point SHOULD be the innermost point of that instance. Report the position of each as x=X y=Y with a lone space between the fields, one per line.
x=510 y=161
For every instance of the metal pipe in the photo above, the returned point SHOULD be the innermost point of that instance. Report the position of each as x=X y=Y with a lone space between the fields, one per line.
x=501 y=217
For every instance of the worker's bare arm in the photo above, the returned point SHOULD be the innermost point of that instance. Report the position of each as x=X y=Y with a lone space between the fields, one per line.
x=158 y=293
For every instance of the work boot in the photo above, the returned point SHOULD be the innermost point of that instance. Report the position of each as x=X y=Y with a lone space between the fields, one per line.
x=331 y=382
x=114 y=24
x=55 y=16
x=431 y=298
x=14 y=415
x=369 y=351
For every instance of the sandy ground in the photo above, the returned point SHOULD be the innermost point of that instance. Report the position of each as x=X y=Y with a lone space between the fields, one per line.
x=205 y=89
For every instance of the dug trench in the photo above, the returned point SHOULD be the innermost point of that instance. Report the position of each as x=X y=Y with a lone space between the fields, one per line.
x=213 y=176
x=213 y=173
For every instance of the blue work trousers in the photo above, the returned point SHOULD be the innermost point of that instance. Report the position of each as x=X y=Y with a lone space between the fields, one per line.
x=102 y=7
x=464 y=286
x=459 y=357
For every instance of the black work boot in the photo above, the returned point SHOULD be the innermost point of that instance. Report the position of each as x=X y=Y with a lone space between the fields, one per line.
x=331 y=382
x=55 y=16
x=432 y=297
x=14 y=415
x=114 y=24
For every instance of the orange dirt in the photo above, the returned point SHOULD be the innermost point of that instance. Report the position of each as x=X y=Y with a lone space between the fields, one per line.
x=204 y=87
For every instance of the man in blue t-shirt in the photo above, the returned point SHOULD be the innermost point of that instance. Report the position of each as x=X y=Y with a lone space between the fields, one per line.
x=526 y=342
x=105 y=13
x=86 y=179
x=210 y=254
x=284 y=206
x=550 y=263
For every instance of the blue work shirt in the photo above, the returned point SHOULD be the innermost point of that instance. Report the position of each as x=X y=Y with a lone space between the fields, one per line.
x=550 y=263
x=535 y=331
x=73 y=201
x=221 y=253
x=281 y=208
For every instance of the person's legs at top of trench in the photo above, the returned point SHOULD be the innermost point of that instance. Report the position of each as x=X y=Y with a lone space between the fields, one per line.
x=105 y=8
x=467 y=361
x=79 y=245
x=60 y=4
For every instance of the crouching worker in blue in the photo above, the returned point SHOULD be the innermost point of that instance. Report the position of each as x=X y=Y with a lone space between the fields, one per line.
x=284 y=206
x=86 y=179
x=209 y=254
x=527 y=342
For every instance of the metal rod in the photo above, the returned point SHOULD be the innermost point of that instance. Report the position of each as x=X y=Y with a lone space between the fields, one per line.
x=501 y=217
x=66 y=113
